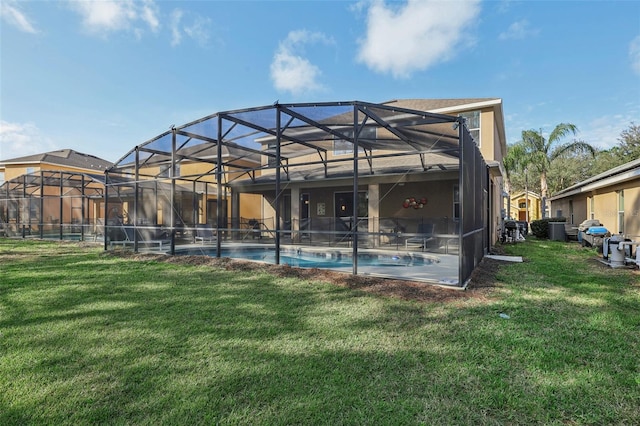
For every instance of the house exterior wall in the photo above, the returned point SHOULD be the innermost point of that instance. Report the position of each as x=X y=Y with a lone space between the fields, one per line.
x=487 y=134
x=602 y=203
x=605 y=209
x=12 y=171
x=574 y=208
x=534 y=206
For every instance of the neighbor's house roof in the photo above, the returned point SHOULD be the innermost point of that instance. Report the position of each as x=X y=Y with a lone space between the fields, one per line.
x=623 y=173
x=63 y=157
x=532 y=194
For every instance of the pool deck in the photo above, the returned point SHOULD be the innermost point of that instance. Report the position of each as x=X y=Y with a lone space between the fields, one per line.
x=442 y=269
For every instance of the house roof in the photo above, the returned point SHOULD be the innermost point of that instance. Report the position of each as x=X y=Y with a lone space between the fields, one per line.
x=63 y=157
x=622 y=173
x=519 y=194
x=436 y=105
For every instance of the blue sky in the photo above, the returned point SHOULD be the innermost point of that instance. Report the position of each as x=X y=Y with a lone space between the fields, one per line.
x=101 y=77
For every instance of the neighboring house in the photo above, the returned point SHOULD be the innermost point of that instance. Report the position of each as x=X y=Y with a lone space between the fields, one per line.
x=520 y=201
x=52 y=194
x=612 y=197
x=64 y=159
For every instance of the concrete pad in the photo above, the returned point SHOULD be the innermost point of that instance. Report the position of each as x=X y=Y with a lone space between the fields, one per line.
x=505 y=258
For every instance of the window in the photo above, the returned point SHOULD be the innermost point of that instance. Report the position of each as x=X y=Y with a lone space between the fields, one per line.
x=592 y=214
x=1 y=178
x=473 y=124
x=344 y=147
x=456 y=203
x=621 y=211
x=30 y=170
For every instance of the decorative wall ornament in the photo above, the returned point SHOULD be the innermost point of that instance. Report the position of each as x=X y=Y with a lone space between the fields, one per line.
x=416 y=203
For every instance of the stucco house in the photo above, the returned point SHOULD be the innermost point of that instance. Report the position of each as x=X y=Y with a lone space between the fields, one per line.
x=292 y=174
x=525 y=206
x=612 y=197
x=52 y=194
x=64 y=159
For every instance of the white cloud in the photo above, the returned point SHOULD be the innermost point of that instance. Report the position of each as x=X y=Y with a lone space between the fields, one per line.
x=10 y=12
x=292 y=72
x=604 y=132
x=634 y=54
x=19 y=139
x=198 y=30
x=518 y=31
x=403 y=39
x=106 y=16
x=176 y=34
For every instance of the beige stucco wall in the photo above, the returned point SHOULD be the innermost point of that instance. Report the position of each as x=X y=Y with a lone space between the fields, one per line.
x=13 y=171
x=605 y=207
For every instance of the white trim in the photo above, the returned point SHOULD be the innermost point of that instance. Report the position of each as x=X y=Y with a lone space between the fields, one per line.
x=612 y=180
x=466 y=107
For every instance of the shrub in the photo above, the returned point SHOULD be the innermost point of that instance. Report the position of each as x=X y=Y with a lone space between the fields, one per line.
x=540 y=228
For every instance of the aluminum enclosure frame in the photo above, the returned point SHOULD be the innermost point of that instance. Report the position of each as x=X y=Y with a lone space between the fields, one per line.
x=269 y=146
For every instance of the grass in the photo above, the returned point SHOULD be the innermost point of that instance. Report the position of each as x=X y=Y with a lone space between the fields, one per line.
x=87 y=337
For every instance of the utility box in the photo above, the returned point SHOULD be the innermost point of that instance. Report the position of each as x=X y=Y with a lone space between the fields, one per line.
x=556 y=231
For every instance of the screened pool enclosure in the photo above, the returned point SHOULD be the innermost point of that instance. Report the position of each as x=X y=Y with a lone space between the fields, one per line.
x=371 y=186
x=358 y=187
x=53 y=205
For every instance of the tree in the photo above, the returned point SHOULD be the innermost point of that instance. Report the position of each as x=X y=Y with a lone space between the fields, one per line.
x=629 y=148
x=541 y=152
x=514 y=163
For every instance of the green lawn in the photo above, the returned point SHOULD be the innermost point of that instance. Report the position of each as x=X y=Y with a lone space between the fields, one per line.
x=87 y=337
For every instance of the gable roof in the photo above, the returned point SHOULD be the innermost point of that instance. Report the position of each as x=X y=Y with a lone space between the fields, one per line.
x=63 y=157
x=519 y=194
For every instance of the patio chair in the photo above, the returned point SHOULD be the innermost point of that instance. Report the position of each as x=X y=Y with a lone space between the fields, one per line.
x=254 y=228
x=205 y=233
x=422 y=237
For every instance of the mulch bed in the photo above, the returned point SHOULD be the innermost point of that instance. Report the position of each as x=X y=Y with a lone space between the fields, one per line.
x=482 y=280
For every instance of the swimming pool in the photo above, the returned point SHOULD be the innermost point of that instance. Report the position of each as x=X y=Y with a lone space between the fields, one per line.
x=315 y=259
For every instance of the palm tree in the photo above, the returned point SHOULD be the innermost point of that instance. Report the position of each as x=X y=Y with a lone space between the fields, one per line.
x=514 y=162
x=542 y=152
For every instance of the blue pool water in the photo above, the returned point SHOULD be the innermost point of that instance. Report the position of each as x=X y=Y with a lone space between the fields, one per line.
x=310 y=259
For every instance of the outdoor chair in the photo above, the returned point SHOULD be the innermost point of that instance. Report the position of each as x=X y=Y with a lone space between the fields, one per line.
x=423 y=236
x=205 y=233
x=254 y=227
